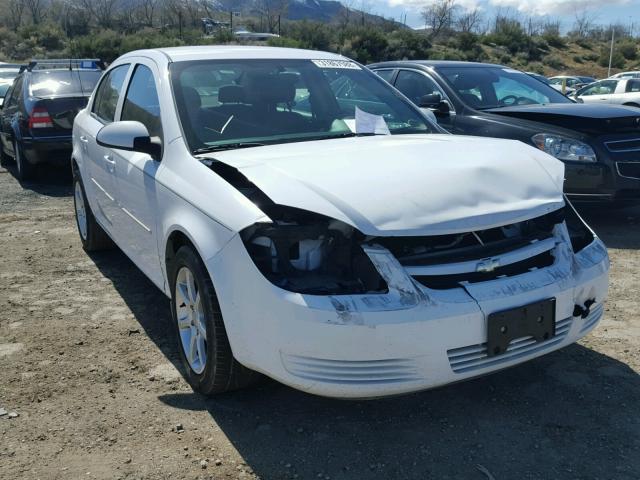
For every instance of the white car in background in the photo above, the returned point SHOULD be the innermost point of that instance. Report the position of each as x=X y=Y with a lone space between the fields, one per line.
x=567 y=84
x=337 y=242
x=623 y=91
x=634 y=74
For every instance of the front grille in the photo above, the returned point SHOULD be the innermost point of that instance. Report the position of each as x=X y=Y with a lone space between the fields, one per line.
x=474 y=357
x=442 y=282
x=393 y=370
x=628 y=169
x=623 y=146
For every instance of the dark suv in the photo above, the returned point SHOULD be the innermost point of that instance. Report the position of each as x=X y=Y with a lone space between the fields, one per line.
x=39 y=108
x=599 y=144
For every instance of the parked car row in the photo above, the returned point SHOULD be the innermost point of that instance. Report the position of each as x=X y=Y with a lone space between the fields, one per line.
x=312 y=223
x=39 y=109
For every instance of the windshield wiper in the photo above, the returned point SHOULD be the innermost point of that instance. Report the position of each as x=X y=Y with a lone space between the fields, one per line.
x=226 y=146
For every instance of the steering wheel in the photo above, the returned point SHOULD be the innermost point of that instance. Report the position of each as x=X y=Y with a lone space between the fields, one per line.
x=510 y=100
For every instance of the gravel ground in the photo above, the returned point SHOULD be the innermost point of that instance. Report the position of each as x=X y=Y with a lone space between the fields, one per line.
x=88 y=366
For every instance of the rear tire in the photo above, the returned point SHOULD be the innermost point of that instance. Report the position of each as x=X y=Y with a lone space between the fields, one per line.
x=92 y=235
x=25 y=170
x=202 y=338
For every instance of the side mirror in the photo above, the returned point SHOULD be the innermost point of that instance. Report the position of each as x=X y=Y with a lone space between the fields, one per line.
x=131 y=136
x=430 y=101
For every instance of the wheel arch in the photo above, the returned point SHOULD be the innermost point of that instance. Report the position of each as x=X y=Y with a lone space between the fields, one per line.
x=199 y=232
x=631 y=104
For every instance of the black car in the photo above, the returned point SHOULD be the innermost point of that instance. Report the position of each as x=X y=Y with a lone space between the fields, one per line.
x=599 y=144
x=39 y=108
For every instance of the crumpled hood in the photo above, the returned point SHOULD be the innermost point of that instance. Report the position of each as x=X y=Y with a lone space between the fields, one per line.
x=584 y=118
x=407 y=184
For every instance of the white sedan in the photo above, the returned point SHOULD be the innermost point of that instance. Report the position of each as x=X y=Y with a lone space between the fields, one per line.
x=339 y=243
x=623 y=91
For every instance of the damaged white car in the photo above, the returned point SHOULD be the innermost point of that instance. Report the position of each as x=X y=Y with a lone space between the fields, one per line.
x=310 y=224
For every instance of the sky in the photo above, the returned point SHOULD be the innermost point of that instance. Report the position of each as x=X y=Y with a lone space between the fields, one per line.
x=603 y=11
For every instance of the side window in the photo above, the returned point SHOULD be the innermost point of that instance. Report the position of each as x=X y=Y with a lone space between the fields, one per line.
x=386 y=75
x=141 y=103
x=633 y=86
x=108 y=94
x=415 y=85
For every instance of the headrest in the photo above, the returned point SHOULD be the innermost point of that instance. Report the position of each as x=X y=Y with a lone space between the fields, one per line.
x=269 y=89
x=191 y=98
x=231 y=94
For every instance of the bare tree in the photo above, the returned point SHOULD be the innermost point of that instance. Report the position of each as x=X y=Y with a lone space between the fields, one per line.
x=36 y=10
x=15 y=10
x=147 y=10
x=584 y=21
x=272 y=10
x=469 y=20
x=103 y=11
x=438 y=16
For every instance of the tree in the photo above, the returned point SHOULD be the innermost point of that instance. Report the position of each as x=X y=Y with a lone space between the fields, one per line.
x=15 y=9
x=272 y=11
x=103 y=11
x=583 y=23
x=438 y=16
x=469 y=21
x=35 y=9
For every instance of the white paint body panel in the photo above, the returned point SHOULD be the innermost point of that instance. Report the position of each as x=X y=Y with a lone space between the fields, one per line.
x=408 y=339
x=408 y=184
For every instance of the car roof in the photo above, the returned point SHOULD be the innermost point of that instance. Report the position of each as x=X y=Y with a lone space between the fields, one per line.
x=437 y=63
x=231 y=52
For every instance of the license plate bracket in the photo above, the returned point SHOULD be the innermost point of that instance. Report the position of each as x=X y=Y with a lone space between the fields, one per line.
x=537 y=320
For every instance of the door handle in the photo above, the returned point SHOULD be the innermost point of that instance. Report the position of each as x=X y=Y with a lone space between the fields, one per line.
x=84 y=139
x=111 y=163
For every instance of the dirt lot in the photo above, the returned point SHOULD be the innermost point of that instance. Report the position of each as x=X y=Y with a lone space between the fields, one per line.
x=87 y=363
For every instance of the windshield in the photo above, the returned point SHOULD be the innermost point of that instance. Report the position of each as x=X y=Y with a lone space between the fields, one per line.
x=56 y=83
x=235 y=102
x=494 y=87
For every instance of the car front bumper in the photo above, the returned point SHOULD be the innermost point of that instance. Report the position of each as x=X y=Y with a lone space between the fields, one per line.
x=410 y=339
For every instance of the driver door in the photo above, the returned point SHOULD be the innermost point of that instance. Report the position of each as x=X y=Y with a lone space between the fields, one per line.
x=135 y=174
x=414 y=85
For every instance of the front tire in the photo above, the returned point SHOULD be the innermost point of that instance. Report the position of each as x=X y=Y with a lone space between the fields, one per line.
x=202 y=338
x=25 y=170
x=92 y=235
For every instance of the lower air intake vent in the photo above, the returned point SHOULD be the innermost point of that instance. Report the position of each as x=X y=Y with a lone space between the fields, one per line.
x=474 y=357
x=393 y=370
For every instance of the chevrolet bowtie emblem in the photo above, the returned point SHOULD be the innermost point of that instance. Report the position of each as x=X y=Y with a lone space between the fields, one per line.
x=487 y=265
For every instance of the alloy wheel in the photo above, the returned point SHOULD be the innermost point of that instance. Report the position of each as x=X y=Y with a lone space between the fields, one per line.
x=190 y=316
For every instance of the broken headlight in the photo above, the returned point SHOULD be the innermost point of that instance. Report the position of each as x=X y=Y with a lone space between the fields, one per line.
x=308 y=253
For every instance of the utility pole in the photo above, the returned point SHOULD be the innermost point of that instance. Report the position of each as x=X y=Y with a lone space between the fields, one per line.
x=278 y=25
x=613 y=36
x=231 y=21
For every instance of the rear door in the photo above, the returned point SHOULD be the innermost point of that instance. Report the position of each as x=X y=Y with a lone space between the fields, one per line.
x=599 y=92
x=135 y=174
x=101 y=166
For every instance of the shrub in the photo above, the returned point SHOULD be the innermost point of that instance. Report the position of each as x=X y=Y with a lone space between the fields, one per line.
x=553 y=61
x=577 y=59
x=617 y=60
x=365 y=45
x=407 y=44
x=628 y=49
